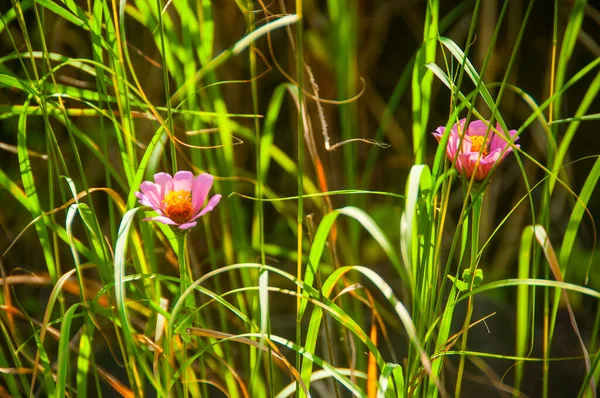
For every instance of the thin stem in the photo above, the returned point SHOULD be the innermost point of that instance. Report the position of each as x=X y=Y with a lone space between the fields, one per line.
x=184 y=273
x=185 y=282
x=477 y=200
x=300 y=148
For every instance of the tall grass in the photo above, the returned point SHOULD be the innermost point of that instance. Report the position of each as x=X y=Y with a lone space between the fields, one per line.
x=347 y=256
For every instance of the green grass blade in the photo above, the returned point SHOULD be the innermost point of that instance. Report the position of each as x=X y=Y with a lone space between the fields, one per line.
x=62 y=364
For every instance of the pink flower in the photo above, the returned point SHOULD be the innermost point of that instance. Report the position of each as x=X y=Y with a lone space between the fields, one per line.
x=475 y=147
x=179 y=199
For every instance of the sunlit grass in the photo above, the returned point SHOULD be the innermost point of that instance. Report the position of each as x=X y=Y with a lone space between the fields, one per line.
x=348 y=255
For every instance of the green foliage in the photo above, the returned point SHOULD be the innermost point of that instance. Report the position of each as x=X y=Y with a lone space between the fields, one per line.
x=304 y=111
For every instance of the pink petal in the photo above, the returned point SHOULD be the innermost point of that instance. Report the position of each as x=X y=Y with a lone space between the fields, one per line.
x=452 y=147
x=439 y=133
x=483 y=168
x=150 y=191
x=164 y=183
x=459 y=128
x=478 y=127
x=183 y=180
x=144 y=201
x=467 y=145
x=161 y=219
x=200 y=188
x=482 y=171
x=466 y=165
x=458 y=165
x=500 y=139
x=494 y=156
x=188 y=225
x=209 y=206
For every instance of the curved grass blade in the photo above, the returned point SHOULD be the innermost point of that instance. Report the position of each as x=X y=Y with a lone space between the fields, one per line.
x=62 y=364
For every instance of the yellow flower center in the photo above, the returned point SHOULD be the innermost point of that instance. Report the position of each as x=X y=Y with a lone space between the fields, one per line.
x=178 y=206
x=478 y=144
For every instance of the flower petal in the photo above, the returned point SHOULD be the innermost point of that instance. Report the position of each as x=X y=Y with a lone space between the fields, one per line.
x=500 y=139
x=150 y=191
x=144 y=201
x=478 y=127
x=439 y=133
x=188 y=225
x=209 y=206
x=469 y=161
x=459 y=128
x=467 y=145
x=183 y=180
x=164 y=183
x=466 y=164
x=200 y=188
x=161 y=219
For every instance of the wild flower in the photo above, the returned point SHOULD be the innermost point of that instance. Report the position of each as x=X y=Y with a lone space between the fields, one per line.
x=475 y=147
x=178 y=200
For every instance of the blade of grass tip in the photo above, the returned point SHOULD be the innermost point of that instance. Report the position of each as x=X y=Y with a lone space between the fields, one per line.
x=391 y=370
x=62 y=364
x=523 y=306
x=90 y=222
